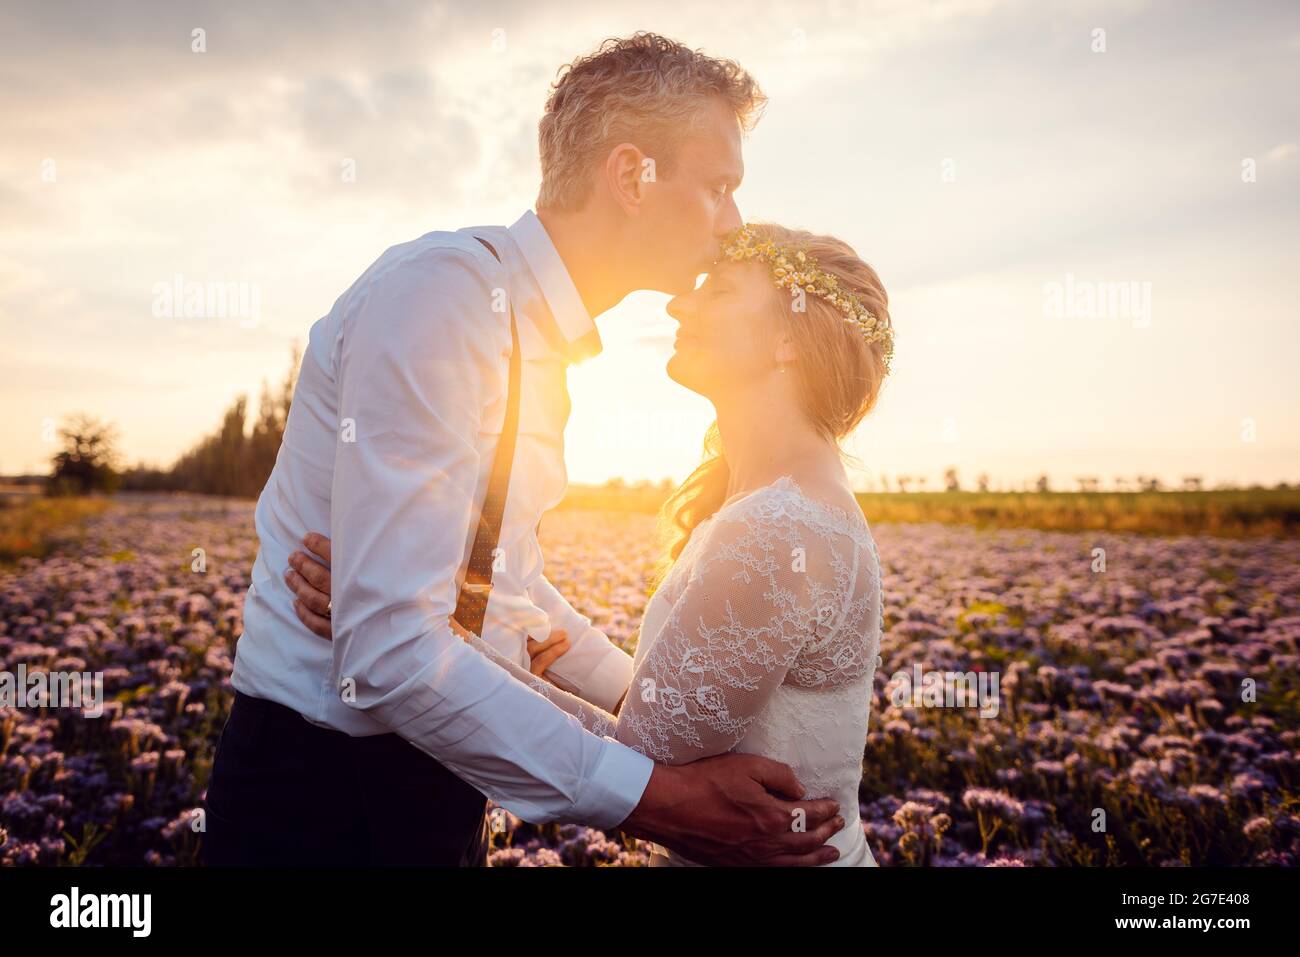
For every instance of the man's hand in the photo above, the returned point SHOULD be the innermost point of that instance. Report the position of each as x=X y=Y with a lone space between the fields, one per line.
x=308 y=576
x=737 y=809
x=543 y=654
x=719 y=811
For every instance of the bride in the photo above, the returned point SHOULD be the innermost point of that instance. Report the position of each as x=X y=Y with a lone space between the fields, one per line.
x=762 y=633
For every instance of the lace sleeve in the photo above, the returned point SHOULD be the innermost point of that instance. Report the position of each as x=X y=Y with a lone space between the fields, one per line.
x=594 y=719
x=767 y=594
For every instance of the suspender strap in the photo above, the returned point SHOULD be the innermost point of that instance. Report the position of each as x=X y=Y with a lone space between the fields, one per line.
x=471 y=605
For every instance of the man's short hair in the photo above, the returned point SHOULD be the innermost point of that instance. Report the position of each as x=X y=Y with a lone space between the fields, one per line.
x=644 y=89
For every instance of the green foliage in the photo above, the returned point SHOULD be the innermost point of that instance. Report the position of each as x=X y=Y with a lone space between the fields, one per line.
x=232 y=460
x=87 y=461
x=32 y=528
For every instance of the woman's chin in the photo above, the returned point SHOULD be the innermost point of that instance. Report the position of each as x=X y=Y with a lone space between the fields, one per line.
x=680 y=371
x=673 y=364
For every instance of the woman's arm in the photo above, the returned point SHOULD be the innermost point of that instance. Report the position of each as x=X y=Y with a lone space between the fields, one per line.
x=594 y=719
x=751 y=604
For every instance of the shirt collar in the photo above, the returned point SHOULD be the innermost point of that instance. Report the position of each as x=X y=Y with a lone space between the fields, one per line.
x=571 y=317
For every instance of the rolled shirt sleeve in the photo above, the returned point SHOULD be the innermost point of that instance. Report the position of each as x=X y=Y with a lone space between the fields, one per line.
x=422 y=356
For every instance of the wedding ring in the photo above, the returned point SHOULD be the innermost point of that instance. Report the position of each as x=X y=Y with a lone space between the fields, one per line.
x=329 y=608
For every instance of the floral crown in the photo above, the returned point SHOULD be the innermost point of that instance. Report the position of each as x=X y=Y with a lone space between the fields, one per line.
x=792 y=268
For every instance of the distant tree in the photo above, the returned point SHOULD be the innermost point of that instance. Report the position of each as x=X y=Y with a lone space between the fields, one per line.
x=920 y=480
x=146 y=478
x=1042 y=484
x=232 y=461
x=1193 y=483
x=1121 y=483
x=982 y=481
x=1088 y=483
x=616 y=484
x=903 y=481
x=950 y=480
x=88 y=461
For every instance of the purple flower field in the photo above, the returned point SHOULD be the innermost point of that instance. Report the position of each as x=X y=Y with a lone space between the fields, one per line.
x=1148 y=713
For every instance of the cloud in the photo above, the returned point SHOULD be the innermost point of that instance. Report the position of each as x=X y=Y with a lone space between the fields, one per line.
x=228 y=165
x=393 y=133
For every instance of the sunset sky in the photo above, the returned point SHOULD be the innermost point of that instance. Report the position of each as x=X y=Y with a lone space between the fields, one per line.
x=985 y=156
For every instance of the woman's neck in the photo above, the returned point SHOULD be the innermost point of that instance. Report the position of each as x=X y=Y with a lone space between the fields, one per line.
x=765 y=435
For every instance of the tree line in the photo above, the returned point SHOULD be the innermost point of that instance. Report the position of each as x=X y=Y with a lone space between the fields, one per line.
x=235 y=459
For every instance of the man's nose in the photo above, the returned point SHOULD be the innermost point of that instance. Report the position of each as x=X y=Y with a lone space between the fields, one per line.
x=730 y=219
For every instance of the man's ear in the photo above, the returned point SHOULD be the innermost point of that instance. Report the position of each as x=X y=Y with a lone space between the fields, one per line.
x=623 y=176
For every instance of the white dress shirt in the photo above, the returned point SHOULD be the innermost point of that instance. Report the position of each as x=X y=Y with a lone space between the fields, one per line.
x=395 y=420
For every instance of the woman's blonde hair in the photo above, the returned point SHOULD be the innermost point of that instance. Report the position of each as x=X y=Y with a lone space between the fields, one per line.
x=839 y=377
x=644 y=89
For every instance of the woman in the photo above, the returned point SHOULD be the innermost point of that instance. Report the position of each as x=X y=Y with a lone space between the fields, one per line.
x=763 y=632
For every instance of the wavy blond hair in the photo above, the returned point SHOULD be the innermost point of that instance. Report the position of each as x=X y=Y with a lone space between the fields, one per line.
x=839 y=373
x=644 y=89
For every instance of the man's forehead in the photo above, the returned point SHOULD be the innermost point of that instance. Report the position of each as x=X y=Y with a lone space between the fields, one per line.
x=716 y=142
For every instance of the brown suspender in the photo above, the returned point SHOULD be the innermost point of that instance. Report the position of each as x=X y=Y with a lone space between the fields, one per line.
x=471 y=605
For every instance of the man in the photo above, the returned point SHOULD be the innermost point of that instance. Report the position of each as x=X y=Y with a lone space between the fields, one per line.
x=390 y=442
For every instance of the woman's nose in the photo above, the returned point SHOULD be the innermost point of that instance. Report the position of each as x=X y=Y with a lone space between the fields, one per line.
x=679 y=307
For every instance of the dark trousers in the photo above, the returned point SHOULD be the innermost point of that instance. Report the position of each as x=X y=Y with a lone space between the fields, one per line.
x=285 y=792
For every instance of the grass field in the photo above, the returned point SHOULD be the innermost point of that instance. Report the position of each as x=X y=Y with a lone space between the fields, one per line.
x=1230 y=514
x=31 y=527
x=1235 y=514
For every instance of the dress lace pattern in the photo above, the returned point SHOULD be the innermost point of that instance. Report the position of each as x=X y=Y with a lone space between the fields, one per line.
x=763 y=639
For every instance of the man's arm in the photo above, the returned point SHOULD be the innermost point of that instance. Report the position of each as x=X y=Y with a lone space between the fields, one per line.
x=594 y=668
x=723 y=810
x=421 y=359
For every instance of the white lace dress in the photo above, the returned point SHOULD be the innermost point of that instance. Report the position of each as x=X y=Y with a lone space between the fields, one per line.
x=762 y=639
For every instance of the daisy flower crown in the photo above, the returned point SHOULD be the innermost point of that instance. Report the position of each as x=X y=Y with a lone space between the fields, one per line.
x=793 y=268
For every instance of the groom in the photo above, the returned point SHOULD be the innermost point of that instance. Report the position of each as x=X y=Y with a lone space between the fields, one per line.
x=378 y=748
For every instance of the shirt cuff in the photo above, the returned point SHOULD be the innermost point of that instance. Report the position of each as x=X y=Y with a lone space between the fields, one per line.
x=602 y=683
x=609 y=680
x=615 y=788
